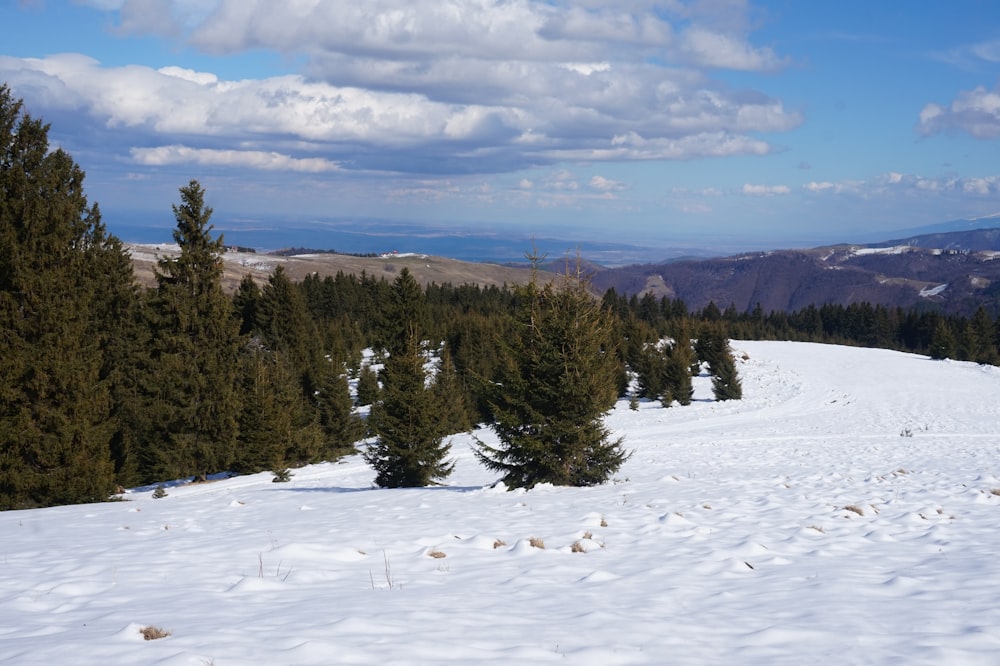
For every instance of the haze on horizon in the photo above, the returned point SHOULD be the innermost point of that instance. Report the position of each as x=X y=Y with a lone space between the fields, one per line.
x=775 y=122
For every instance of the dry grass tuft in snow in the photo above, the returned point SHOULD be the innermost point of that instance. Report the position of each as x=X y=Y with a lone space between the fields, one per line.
x=536 y=543
x=151 y=633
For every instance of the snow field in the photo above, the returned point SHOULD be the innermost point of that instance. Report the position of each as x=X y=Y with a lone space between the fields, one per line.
x=841 y=513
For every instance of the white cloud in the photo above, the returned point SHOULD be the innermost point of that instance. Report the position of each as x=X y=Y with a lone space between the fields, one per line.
x=976 y=112
x=433 y=85
x=895 y=183
x=252 y=159
x=820 y=186
x=765 y=190
x=603 y=184
x=718 y=50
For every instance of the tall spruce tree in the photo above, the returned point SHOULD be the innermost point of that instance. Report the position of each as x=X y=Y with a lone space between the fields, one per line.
x=410 y=450
x=195 y=349
x=63 y=281
x=557 y=380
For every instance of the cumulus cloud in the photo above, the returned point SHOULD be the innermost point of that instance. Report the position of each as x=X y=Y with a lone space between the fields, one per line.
x=976 y=112
x=426 y=86
x=765 y=190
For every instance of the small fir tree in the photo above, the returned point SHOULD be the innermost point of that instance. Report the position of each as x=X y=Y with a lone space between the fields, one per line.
x=680 y=358
x=367 y=386
x=340 y=427
x=726 y=383
x=943 y=344
x=557 y=380
x=409 y=450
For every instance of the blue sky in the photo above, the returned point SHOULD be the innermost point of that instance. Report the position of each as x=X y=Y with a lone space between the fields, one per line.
x=773 y=123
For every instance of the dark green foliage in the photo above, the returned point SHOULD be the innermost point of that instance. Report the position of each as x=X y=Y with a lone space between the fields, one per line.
x=650 y=366
x=63 y=282
x=409 y=450
x=268 y=396
x=283 y=322
x=556 y=382
x=680 y=358
x=367 y=386
x=726 y=383
x=713 y=349
x=195 y=349
x=455 y=413
x=340 y=427
x=246 y=300
x=943 y=343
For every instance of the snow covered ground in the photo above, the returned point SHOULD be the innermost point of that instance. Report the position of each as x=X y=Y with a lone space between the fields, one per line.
x=842 y=513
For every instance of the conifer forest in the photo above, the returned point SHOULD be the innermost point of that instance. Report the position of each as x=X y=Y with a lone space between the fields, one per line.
x=105 y=384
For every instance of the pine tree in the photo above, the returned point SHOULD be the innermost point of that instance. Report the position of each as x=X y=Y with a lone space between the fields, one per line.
x=650 y=366
x=456 y=415
x=267 y=396
x=726 y=383
x=62 y=283
x=409 y=450
x=680 y=358
x=367 y=386
x=713 y=349
x=557 y=381
x=195 y=349
x=246 y=300
x=285 y=326
x=340 y=427
x=943 y=344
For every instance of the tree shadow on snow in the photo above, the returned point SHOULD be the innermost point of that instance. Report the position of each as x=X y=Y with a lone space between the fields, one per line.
x=340 y=489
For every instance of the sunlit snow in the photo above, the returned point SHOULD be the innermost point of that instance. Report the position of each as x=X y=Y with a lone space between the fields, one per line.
x=844 y=512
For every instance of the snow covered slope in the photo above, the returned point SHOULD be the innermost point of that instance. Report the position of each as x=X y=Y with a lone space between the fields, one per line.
x=842 y=513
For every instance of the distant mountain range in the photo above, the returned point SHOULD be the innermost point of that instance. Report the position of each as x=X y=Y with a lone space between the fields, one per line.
x=953 y=271
x=952 y=267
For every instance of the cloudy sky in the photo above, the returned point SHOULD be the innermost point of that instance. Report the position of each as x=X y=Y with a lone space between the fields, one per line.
x=781 y=121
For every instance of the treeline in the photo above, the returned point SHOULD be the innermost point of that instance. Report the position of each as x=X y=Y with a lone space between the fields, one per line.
x=920 y=331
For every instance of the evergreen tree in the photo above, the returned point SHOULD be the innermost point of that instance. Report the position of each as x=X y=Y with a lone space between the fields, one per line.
x=650 y=366
x=340 y=427
x=285 y=326
x=456 y=415
x=246 y=300
x=63 y=281
x=943 y=343
x=367 y=386
x=409 y=450
x=268 y=395
x=557 y=381
x=195 y=349
x=680 y=358
x=726 y=383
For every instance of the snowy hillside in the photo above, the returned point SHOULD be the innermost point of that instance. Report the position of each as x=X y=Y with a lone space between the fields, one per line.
x=842 y=513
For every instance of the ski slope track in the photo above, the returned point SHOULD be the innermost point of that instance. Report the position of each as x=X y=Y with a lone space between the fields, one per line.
x=842 y=513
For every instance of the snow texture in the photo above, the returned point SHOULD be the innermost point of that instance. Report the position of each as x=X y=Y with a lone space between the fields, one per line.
x=842 y=513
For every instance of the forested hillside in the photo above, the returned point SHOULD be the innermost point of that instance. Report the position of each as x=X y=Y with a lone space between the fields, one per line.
x=109 y=384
